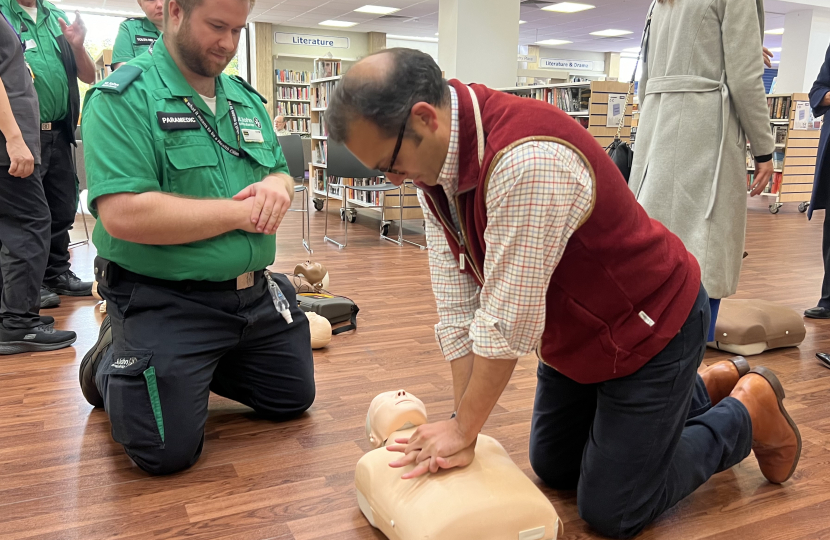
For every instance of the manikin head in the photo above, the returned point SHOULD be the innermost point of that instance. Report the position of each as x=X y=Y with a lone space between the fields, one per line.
x=279 y=123
x=315 y=273
x=154 y=10
x=204 y=33
x=391 y=412
x=396 y=98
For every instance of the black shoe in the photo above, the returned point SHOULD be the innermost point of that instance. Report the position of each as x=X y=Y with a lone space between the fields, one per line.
x=89 y=365
x=68 y=284
x=38 y=339
x=48 y=299
x=817 y=313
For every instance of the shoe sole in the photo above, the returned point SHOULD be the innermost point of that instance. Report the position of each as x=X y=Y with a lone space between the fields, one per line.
x=50 y=303
x=64 y=292
x=779 y=393
x=816 y=316
x=17 y=347
x=86 y=365
x=824 y=358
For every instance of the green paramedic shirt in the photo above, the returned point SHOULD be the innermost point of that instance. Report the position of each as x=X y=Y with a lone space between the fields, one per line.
x=126 y=150
x=134 y=37
x=43 y=55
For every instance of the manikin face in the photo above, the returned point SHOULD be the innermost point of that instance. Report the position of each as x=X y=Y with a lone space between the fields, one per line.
x=314 y=272
x=207 y=38
x=391 y=412
x=154 y=10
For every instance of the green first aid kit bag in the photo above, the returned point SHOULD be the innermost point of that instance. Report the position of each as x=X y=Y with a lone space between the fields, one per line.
x=336 y=309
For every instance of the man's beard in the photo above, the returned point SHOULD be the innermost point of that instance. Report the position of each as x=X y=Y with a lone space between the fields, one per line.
x=194 y=57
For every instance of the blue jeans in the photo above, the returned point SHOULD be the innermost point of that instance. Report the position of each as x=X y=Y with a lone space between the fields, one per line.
x=634 y=447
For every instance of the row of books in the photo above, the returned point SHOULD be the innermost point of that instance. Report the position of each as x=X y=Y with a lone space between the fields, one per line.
x=568 y=99
x=319 y=152
x=318 y=129
x=777 y=159
x=371 y=197
x=294 y=92
x=291 y=76
x=780 y=134
x=299 y=125
x=773 y=186
x=320 y=94
x=324 y=69
x=289 y=108
x=779 y=107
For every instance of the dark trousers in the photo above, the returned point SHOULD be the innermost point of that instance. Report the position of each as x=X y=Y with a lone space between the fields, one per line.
x=24 y=245
x=170 y=349
x=635 y=446
x=825 y=251
x=61 y=189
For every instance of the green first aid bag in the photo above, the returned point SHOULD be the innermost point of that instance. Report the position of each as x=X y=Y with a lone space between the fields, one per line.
x=334 y=308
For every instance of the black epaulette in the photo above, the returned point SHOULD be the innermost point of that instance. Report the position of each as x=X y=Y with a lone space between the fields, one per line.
x=248 y=87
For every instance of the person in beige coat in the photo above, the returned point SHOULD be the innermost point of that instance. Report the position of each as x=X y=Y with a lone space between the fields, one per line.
x=701 y=97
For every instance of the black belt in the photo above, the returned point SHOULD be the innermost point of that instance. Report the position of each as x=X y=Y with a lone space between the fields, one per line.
x=110 y=274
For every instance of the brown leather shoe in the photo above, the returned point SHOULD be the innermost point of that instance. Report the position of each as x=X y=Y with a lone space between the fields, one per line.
x=721 y=377
x=775 y=437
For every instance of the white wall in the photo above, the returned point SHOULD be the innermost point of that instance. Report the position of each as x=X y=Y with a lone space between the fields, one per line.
x=431 y=48
x=806 y=37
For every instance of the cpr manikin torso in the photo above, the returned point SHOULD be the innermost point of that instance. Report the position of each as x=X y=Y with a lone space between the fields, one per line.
x=491 y=499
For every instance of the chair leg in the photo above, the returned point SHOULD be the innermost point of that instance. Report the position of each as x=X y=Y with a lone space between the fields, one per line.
x=307 y=223
x=326 y=231
x=86 y=231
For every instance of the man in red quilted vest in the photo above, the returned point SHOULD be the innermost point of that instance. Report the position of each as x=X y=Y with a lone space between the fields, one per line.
x=537 y=244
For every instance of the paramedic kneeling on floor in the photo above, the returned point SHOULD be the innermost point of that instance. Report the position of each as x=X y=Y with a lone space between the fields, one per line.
x=535 y=238
x=190 y=186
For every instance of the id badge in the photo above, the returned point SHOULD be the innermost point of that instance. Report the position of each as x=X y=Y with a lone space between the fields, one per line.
x=30 y=44
x=252 y=136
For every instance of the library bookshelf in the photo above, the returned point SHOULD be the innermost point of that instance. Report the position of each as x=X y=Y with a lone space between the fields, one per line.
x=794 y=159
x=586 y=102
x=325 y=77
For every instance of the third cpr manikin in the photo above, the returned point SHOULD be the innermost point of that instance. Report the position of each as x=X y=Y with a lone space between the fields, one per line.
x=491 y=499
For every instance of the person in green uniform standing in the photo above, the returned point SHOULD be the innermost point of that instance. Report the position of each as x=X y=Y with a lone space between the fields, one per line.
x=187 y=215
x=54 y=49
x=135 y=35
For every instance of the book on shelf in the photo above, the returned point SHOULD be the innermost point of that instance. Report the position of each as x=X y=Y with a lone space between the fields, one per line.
x=318 y=129
x=779 y=107
x=778 y=159
x=290 y=108
x=750 y=160
x=320 y=94
x=291 y=76
x=294 y=92
x=319 y=152
x=297 y=125
x=327 y=68
x=780 y=134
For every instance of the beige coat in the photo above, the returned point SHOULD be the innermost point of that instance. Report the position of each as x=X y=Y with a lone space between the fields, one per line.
x=687 y=174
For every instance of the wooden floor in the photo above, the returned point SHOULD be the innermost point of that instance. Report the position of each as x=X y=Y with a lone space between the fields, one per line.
x=62 y=476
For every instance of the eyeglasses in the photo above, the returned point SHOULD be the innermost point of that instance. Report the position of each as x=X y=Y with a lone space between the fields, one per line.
x=391 y=168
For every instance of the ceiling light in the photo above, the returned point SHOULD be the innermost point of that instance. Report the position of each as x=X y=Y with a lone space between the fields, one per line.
x=568 y=7
x=775 y=62
x=775 y=31
x=377 y=10
x=522 y=22
x=553 y=42
x=413 y=38
x=611 y=33
x=338 y=24
x=632 y=50
x=775 y=49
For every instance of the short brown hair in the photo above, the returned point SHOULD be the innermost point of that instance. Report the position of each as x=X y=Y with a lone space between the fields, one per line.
x=188 y=6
